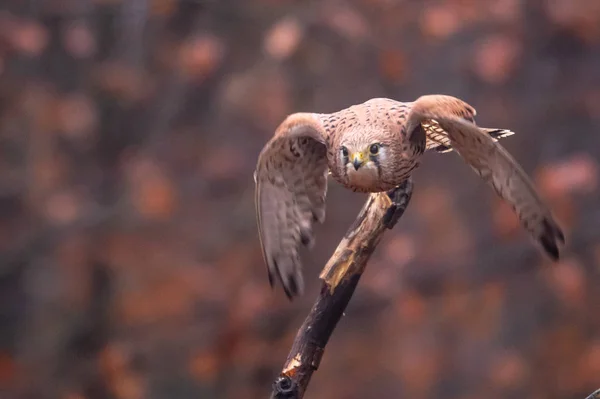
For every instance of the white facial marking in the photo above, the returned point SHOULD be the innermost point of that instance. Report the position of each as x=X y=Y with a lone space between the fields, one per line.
x=366 y=176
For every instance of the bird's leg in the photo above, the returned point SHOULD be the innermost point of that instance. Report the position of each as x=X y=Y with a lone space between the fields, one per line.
x=400 y=197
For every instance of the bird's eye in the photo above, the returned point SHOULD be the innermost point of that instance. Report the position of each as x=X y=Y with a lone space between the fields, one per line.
x=374 y=149
x=344 y=151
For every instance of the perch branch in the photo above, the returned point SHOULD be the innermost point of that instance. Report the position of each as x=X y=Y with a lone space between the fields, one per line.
x=340 y=277
x=594 y=395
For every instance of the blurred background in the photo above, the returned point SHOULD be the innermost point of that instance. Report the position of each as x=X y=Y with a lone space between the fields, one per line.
x=129 y=260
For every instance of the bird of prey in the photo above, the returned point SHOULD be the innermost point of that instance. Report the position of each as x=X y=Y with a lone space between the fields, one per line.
x=374 y=147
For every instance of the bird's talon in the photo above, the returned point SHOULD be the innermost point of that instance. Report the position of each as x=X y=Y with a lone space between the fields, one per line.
x=400 y=197
x=391 y=216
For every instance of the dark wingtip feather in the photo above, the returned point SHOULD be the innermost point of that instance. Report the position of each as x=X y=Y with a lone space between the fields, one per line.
x=292 y=283
x=442 y=148
x=494 y=133
x=306 y=237
x=550 y=246
x=499 y=133
x=271 y=282
x=270 y=272
x=560 y=235
x=291 y=289
x=549 y=239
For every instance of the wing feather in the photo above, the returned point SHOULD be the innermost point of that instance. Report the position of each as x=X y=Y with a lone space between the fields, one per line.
x=291 y=186
x=438 y=140
x=492 y=163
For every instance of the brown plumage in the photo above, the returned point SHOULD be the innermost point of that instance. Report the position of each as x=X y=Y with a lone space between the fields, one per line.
x=373 y=147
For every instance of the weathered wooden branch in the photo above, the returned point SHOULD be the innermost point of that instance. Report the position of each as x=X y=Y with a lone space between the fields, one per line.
x=340 y=277
x=594 y=395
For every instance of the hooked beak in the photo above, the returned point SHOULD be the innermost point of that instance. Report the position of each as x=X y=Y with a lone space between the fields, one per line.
x=357 y=160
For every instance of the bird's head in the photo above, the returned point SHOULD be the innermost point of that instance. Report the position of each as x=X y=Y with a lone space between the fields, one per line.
x=363 y=161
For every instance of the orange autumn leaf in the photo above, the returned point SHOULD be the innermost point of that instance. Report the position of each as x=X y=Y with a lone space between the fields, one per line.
x=113 y=360
x=135 y=308
x=589 y=363
x=76 y=116
x=173 y=298
x=123 y=81
x=400 y=250
x=567 y=279
x=496 y=58
x=128 y=386
x=346 y=21
x=223 y=162
x=152 y=192
x=201 y=55
x=392 y=65
x=79 y=41
x=439 y=21
x=508 y=370
x=412 y=308
x=163 y=8
x=72 y=255
x=204 y=366
x=116 y=370
x=418 y=367
x=28 y=37
x=506 y=10
x=63 y=207
x=283 y=38
x=8 y=369
x=580 y=17
x=576 y=174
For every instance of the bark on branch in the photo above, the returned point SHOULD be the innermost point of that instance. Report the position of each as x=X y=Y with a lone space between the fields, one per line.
x=340 y=277
x=594 y=395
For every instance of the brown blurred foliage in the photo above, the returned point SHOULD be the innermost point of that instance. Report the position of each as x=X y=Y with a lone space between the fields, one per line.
x=129 y=260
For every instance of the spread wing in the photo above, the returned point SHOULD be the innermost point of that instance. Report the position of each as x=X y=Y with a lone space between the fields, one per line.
x=492 y=163
x=291 y=185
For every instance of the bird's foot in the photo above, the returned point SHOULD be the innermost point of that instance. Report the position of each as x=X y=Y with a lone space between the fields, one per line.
x=400 y=197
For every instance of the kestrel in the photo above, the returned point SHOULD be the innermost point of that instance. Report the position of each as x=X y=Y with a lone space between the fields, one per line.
x=374 y=147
